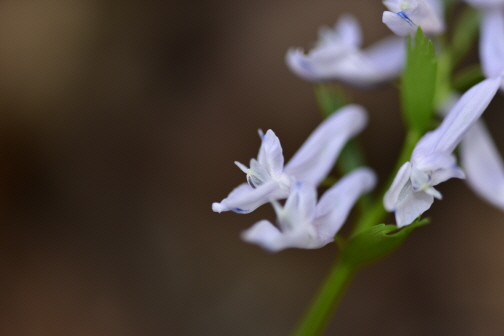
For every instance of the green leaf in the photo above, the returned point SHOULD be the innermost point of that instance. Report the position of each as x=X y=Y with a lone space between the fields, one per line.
x=376 y=242
x=418 y=83
x=330 y=98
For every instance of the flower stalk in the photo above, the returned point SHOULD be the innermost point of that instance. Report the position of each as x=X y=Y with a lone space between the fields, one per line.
x=326 y=301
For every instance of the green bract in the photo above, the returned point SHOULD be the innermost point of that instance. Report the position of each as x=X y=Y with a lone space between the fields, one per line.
x=418 y=84
x=376 y=242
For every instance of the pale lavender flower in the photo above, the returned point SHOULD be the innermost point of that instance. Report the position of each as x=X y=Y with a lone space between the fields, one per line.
x=404 y=16
x=432 y=162
x=338 y=57
x=267 y=177
x=304 y=223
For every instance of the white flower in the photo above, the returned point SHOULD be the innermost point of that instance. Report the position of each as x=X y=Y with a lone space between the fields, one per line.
x=337 y=57
x=432 y=161
x=267 y=177
x=302 y=223
x=406 y=15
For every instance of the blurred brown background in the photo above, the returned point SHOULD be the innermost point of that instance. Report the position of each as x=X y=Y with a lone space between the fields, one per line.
x=119 y=125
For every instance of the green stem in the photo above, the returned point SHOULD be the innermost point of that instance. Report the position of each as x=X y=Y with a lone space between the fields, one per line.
x=329 y=295
x=326 y=301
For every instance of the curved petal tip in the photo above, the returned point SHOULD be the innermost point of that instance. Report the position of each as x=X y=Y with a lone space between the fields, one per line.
x=218 y=207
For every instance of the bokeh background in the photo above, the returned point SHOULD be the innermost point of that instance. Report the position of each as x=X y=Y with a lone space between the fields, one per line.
x=119 y=125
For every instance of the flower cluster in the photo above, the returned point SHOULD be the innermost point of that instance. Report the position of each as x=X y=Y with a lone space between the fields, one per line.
x=338 y=57
x=432 y=161
x=302 y=223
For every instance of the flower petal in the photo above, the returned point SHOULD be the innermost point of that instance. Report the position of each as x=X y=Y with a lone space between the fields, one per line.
x=492 y=42
x=412 y=13
x=433 y=161
x=348 y=30
x=399 y=23
x=270 y=154
x=299 y=207
x=337 y=57
x=391 y=197
x=438 y=7
x=270 y=238
x=428 y=15
x=387 y=55
x=461 y=117
x=442 y=175
x=411 y=204
x=244 y=199
x=483 y=165
x=334 y=206
x=316 y=157
x=266 y=235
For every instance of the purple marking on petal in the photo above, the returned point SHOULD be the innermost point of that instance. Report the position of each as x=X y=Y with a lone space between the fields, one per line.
x=306 y=65
x=406 y=18
x=238 y=210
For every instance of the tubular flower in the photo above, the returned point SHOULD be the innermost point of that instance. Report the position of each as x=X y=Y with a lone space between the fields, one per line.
x=268 y=179
x=432 y=162
x=304 y=223
x=338 y=57
x=406 y=15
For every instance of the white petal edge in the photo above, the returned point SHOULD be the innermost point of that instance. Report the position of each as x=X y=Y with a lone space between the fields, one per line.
x=348 y=30
x=264 y=234
x=391 y=197
x=244 y=199
x=427 y=14
x=299 y=207
x=387 y=56
x=300 y=64
x=316 y=157
x=399 y=25
x=492 y=42
x=483 y=165
x=462 y=116
x=393 y=5
x=336 y=203
x=411 y=205
x=270 y=154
